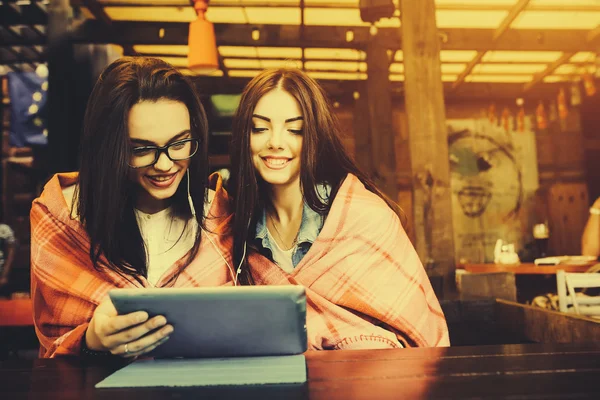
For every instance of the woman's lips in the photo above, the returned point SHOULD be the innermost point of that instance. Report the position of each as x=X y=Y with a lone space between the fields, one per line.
x=162 y=181
x=276 y=162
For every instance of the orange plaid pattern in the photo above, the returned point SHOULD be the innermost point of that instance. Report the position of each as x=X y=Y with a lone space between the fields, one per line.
x=66 y=288
x=365 y=284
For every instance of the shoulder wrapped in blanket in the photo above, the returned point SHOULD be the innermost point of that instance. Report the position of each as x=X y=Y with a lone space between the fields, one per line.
x=65 y=286
x=365 y=284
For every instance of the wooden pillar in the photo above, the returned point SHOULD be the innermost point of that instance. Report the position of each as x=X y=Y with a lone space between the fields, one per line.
x=424 y=98
x=362 y=131
x=62 y=152
x=381 y=132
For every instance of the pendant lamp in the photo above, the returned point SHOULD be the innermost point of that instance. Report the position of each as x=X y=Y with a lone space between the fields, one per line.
x=202 y=56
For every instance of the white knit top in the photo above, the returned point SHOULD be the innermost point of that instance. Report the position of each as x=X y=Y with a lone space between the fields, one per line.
x=166 y=238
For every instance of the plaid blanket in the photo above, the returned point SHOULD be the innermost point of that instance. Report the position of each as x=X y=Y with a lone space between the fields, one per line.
x=66 y=288
x=366 y=287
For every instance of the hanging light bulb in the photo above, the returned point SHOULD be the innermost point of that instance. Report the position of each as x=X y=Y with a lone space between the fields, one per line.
x=255 y=34
x=202 y=56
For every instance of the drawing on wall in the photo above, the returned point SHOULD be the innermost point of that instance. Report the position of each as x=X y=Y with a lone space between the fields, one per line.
x=493 y=180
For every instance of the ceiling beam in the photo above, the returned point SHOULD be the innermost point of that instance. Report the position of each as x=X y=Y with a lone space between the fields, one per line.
x=510 y=18
x=551 y=68
x=91 y=31
x=329 y=4
x=591 y=38
x=468 y=69
x=19 y=59
x=97 y=11
x=593 y=34
x=498 y=33
x=283 y=59
x=27 y=14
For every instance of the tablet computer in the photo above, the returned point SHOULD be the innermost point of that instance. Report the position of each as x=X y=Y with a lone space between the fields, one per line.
x=223 y=321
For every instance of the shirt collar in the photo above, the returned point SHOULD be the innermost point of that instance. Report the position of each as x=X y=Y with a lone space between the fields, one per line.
x=310 y=227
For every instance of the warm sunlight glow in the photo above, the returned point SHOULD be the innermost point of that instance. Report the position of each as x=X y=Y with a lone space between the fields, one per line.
x=176 y=61
x=445 y=78
x=173 y=50
x=352 y=76
x=186 y=71
x=457 y=55
x=226 y=15
x=557 y=78
x=499 y=78
x=469 y=18
x=271 y=15
x=453 y=68
x=562 y=3
x=279 y=52
x=506 y=3
x=336 y=66
x=333 y=16
x=238 y=51
x=334 y=54
x=509 y=68
x=281 y=63
x=569 y=69
x=240 y=73
x=163 y=14
x=522 y=56
x=557 y=20
x=241 y=64
x=584 y=56
x=251 y=2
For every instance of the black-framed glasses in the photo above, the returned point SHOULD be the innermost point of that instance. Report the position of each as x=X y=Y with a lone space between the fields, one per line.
x=146 y=156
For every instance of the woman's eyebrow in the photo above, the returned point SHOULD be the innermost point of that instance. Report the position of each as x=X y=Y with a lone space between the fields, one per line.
x=300 y=118
x=261 y=117
x=143 y=142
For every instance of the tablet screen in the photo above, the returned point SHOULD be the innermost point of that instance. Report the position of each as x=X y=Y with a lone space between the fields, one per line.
x=223 y=321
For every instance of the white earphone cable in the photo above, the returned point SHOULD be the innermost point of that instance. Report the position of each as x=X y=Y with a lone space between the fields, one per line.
x=234 y=275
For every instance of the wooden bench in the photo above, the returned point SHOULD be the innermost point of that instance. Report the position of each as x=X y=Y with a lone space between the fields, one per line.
x=17 y=312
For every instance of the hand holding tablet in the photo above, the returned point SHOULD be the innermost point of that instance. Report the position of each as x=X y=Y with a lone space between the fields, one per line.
x=221 y=321
x=129 y=335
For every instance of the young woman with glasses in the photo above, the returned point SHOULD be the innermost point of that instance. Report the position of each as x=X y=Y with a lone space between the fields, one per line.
x=141 y=212
x=310 y=217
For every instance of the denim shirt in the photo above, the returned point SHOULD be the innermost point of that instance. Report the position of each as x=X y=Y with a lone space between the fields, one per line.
x=310 y=227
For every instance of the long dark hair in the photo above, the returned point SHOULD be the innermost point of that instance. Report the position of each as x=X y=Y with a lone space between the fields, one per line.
x=324 y=159
x=106 y=196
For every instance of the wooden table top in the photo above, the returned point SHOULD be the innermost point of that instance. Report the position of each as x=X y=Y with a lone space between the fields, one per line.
x=528 y=371
x=524 y=268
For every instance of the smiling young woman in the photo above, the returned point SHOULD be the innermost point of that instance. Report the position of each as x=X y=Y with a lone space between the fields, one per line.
x=128 y=218
x=305 y=214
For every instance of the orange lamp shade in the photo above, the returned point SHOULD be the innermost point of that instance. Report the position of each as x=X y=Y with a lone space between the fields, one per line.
x=202 y=56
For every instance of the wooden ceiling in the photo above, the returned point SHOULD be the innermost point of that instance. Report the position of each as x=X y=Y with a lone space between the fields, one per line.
x=489 y=47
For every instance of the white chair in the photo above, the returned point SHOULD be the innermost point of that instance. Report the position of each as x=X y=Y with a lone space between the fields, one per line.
x=569 y=301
